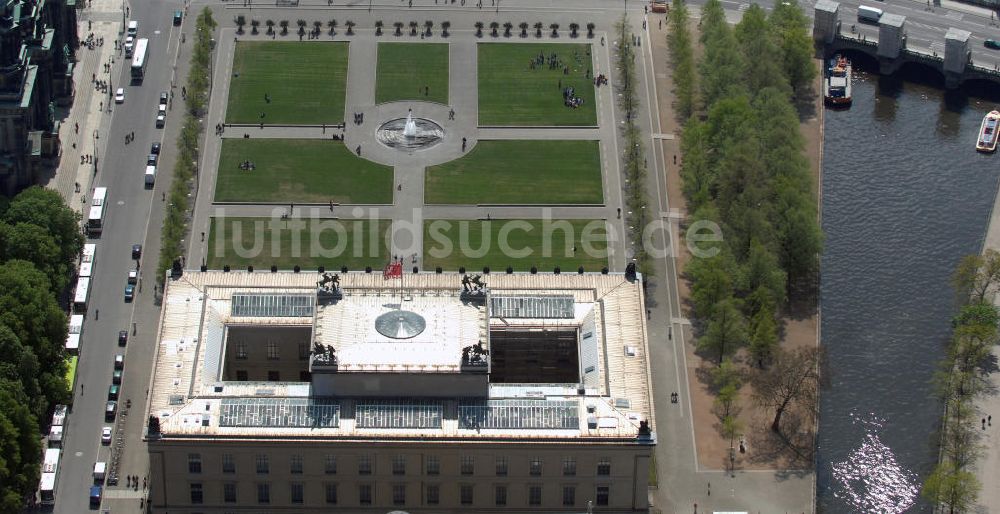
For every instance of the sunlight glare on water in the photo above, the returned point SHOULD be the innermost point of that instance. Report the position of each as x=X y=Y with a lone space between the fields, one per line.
x=870 y=479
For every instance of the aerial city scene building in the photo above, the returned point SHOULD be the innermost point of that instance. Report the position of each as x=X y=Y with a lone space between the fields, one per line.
x=453 y=256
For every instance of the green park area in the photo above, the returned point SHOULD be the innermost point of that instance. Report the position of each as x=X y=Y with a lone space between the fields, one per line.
x=412 y=71
x=523 y=84
x=519 y=172
x=289 y=83
x=298 y=170
x=305 y=242
x=520 y=244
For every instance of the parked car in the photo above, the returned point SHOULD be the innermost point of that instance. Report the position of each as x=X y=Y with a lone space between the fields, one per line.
x=154 y=149
x=129 y=292
x=133 y=277
x=96 y=493
x=110 y=410
x=113 y=392
x=106 y=436
x=116 y=377
x=992 y=43
x=161 y=119
x=151 y=159
x=136 y=252
x=178 y=16
x=163 y=101
x=120 y=95
x=120 y=361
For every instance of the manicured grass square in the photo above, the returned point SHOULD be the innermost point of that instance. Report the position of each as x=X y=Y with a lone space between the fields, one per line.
x=263 y=242
x=412 y=71
x=299 y=170
x=512 y=93
x=519 y=172
x=519 y=244
x=307 y=83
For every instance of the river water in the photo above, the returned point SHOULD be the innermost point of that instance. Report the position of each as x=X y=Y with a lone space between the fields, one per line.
x=905 y=196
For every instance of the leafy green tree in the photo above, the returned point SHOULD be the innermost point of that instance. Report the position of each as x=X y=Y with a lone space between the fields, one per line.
x=755 y=38
x=19 y=363
x=762 y=271
x=20 y=448
x=763 y=336
x=726 y=330
x=791 y=26
x=679 y=41
x=697 y=173
x=722 y=68
x=954 y=489
x=46 y=208
x=712 y=282
x=977 y=276
x=30 y=242
x=800 y=239
x=32 y=314
x=713 y=17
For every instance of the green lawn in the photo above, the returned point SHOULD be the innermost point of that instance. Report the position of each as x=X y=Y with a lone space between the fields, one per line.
x=299 y=170
x=71 y=362
x=519 y=244
x=519 y=172
x=263 y=242
x=512 y=93
x=412 y=71
x=306 y=82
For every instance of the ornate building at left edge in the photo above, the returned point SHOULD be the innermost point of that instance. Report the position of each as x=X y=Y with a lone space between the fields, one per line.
x=38 y=41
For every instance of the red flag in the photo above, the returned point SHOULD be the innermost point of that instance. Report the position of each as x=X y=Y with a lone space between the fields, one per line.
x=393 y=270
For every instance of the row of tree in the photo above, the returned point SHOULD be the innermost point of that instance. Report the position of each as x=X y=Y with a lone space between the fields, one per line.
x=964 y=377
x=745 y=170
x=40 y=240
x=634 y=157
x=175 y=226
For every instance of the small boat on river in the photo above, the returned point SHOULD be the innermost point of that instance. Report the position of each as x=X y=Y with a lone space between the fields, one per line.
x=987 y=141
x=837 y=84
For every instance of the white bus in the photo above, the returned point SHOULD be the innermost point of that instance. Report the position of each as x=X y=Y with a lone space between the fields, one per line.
x=75 y=331
x=95 y=219
x=139 y=60
x=82 y=294
x=87 y=260
x=50 y=471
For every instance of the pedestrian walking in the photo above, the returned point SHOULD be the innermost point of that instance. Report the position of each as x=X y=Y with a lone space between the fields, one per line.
x=358 y=150
x=451 y=114
x=463 y=144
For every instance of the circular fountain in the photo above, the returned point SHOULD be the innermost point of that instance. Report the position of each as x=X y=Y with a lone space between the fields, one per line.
x=409 y=133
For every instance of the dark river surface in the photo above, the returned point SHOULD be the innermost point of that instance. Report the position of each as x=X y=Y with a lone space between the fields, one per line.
x=905 y=196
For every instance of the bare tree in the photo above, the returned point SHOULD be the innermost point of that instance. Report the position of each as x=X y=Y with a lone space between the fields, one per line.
x=253 y=26
x=792 y=380
x=413 y=28
x=445 y=25
x=270 y=26
x=378 y=27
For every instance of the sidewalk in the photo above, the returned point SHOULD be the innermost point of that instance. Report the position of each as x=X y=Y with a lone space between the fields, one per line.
x=82 y=129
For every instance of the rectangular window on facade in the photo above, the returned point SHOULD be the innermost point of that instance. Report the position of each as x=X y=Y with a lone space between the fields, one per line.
x=433 y=494
x=604 y=467
x=569 y=495
x=569 y=466
x=228 y=463
x=196 y=494
x=365 y=494
x=465 y=494
x=304 y=350
x=399 y=494
x=502 y=464
x=500 y=494
x=295 y=490
x=534 y=495
x=603 y=492
x=365 y=465
x=305 y=376
x=399 y=465
x=229 y=492
x=241 y=350
x=194 y=463
x=263 y=493
x=272 y=351
x=535 y=467
x=242 y=375
x=433 y=465
x=274 y=376
x=468 y=464
x=295 y=464
x=330 y=467
x=262 y=465
x=331 y=494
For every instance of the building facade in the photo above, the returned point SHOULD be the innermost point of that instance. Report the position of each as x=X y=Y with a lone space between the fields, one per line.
x=38 y=40
x=301 y=392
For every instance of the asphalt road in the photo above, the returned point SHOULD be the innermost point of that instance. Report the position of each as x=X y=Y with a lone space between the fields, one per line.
x=132 y=211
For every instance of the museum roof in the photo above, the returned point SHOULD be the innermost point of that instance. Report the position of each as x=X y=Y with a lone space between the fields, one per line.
x=190 y=399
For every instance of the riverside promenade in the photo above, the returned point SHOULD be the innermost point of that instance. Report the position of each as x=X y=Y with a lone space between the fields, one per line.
x=988 y=465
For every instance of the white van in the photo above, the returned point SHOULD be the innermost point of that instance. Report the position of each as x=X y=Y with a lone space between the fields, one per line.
x=100 y=468
x=150 y=176
x=869 y=14
x=133 y=28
